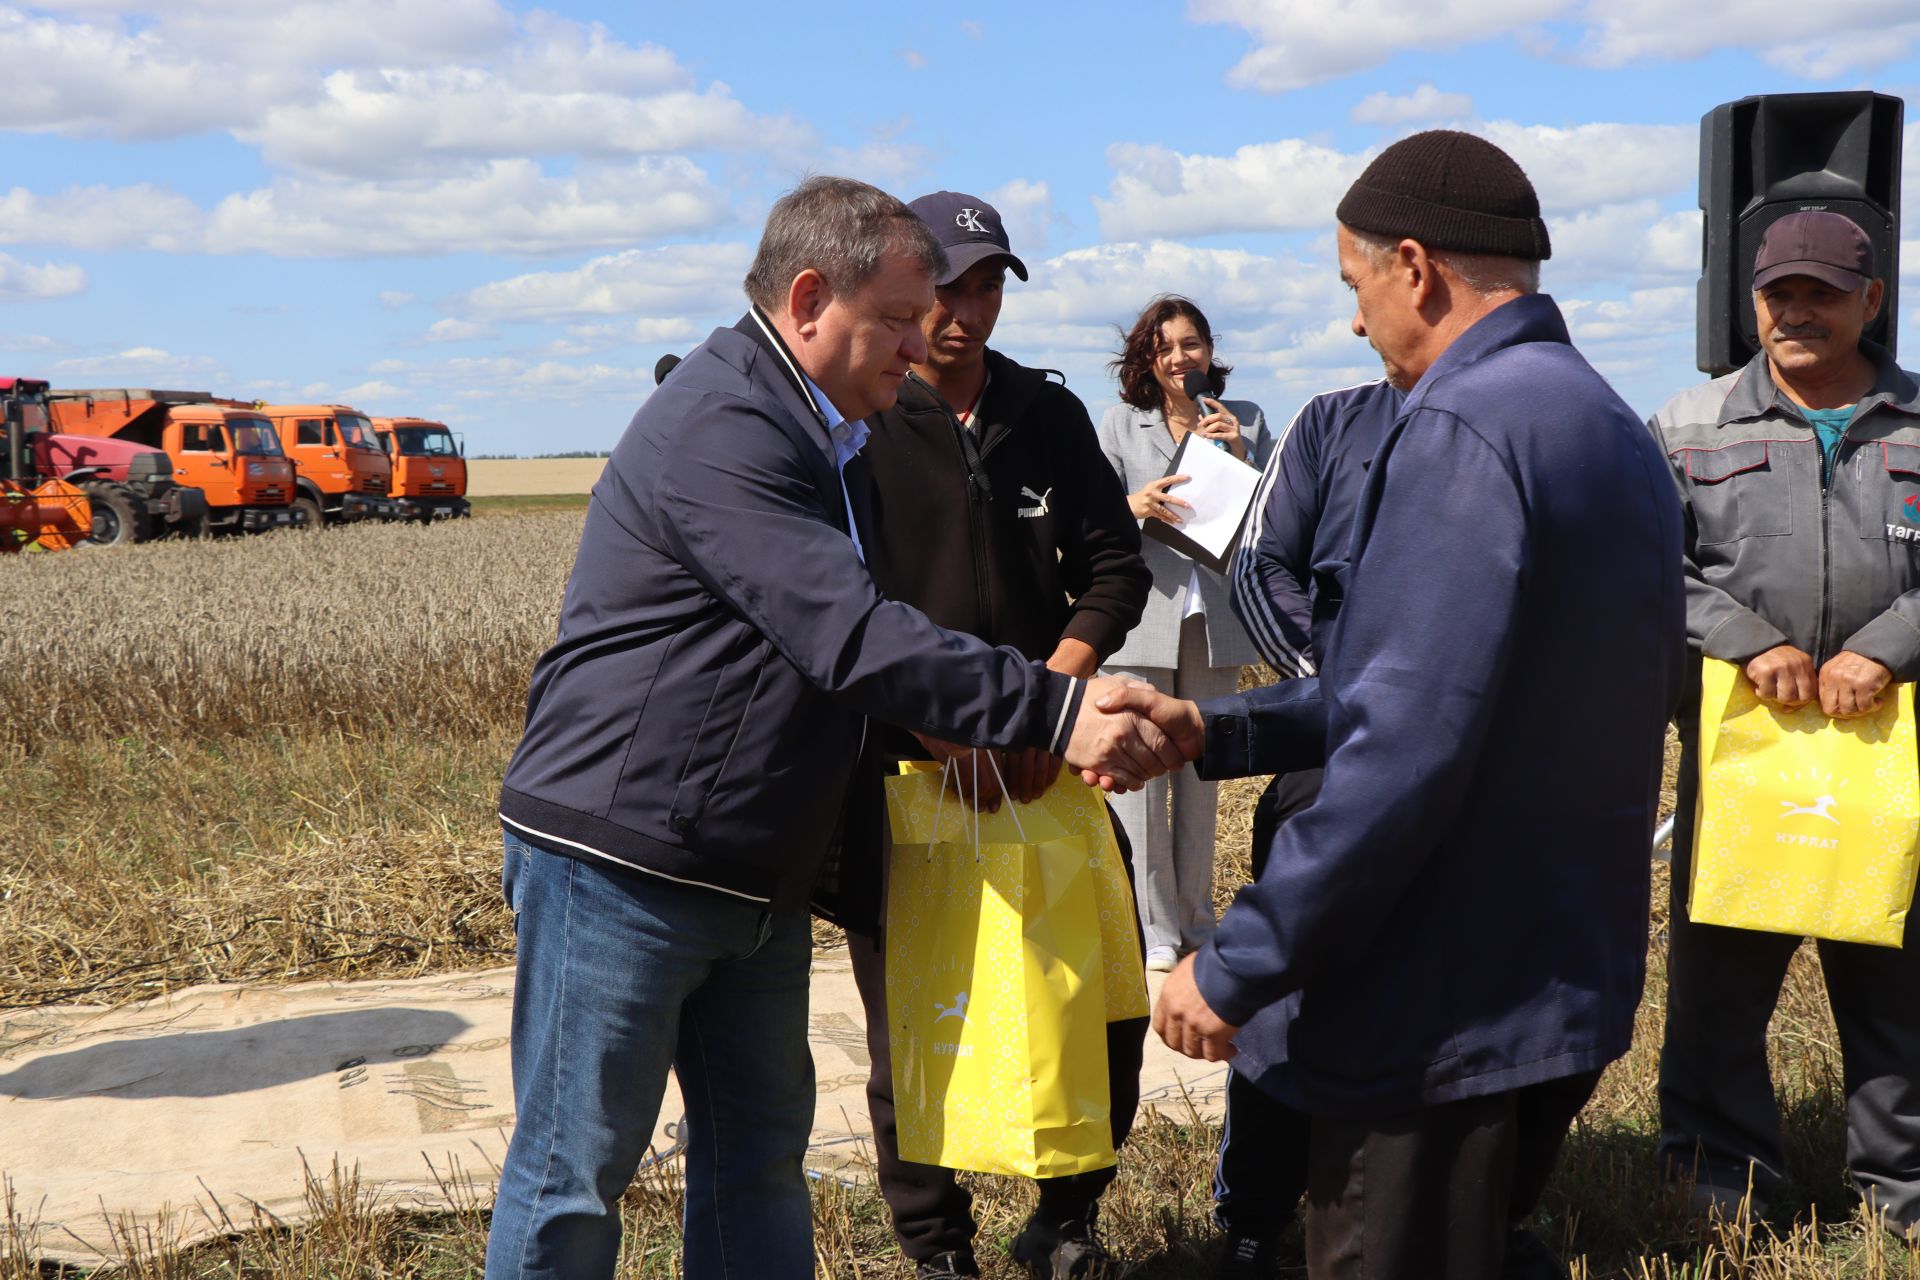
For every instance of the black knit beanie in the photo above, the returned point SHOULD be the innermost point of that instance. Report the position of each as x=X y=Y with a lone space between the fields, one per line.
x=1449 y=190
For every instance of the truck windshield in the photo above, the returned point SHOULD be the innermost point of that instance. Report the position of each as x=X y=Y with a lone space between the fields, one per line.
x=254 y=435
x=358 y=433
x=430 y=442
x=33 y=417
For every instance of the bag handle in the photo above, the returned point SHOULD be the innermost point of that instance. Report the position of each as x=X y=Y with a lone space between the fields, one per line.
x=950 y=770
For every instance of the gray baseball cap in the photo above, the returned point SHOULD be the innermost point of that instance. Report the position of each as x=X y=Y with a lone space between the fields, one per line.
x=969 y=229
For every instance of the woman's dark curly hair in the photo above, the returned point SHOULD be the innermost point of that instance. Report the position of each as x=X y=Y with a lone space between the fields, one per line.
x=1134 y=365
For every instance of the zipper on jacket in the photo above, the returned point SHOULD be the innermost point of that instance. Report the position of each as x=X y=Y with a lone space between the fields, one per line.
x=979 y=494
x=1829 y=476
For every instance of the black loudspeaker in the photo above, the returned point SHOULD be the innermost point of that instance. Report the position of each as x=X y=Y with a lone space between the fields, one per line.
x=1762 y=158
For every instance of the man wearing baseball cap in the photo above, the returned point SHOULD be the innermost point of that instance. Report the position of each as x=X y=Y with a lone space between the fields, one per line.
x=995 y=513
x=1803 y=566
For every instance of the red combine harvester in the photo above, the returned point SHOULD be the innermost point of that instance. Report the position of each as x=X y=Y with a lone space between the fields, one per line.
x=37 y=513
x=131 y=490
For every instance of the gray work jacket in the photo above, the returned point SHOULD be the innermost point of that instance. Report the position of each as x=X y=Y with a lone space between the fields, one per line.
x=1774 y=556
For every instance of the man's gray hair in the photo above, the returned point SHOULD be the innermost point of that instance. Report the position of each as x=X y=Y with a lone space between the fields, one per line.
x=841 y=228
x=1486 y=274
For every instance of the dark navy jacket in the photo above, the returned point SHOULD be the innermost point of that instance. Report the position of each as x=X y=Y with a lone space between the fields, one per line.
x=1463 y=908
x=1291 y=573
x=721 y=645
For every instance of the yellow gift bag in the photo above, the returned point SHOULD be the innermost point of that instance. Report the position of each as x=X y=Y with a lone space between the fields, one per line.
x=1806 y=825
x=995 y=987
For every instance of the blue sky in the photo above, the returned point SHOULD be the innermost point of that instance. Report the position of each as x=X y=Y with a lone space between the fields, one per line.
x=501 y=216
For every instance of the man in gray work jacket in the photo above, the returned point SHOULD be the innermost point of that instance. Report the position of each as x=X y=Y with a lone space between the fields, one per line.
x=689 y=743
x=1801 y=479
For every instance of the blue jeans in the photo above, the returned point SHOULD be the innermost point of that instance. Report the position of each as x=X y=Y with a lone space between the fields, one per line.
x=619 y=976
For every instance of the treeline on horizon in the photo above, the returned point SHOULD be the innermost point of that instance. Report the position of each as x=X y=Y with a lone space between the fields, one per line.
x=535 y=457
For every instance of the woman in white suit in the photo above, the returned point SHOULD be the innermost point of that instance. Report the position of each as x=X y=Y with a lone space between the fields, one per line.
x=1188 y=643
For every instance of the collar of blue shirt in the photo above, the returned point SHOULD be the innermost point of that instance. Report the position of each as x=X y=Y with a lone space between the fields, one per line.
x=848 y=437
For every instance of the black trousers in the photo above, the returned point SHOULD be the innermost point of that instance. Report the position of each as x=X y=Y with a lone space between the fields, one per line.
x=932 y=1212
x=1433 y=1194
x=1718 y=1116
x=1262 y=1170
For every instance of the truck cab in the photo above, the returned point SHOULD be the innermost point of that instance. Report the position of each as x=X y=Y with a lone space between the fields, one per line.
x=342 y=469
x=429 y=467
x=236 y=454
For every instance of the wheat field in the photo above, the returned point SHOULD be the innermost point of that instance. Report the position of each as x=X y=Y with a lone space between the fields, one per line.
x=277 y=759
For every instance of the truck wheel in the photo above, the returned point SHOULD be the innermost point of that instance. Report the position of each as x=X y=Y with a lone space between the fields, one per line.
x=316 y=518
x=114 y=520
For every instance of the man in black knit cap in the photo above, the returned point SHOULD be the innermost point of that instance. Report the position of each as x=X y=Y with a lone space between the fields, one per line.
x=1447 y=946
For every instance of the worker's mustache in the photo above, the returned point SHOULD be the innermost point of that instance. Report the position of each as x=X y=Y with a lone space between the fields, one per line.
x=1801 y=331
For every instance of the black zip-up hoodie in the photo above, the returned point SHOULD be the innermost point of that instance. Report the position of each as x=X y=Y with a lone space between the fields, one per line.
x=1019 y=535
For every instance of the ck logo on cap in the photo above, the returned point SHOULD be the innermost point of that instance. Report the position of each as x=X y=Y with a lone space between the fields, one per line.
x=969 y=220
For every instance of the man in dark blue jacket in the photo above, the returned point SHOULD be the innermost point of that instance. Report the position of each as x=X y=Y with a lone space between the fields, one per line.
x=690 y=740
x=1448 y=945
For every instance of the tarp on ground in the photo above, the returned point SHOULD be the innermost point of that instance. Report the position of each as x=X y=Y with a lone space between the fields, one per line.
x=180 y=1116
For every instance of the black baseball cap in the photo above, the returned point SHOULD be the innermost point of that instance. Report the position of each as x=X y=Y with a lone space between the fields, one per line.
x=969 y=229
x=1830 y=247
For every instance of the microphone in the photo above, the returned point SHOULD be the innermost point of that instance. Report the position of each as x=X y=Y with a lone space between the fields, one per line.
x=1196 y=383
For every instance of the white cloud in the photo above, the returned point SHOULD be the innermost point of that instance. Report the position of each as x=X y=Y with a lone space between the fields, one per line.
x=1288 y=185
x=394 y=299
x=99 y=217
x=128 y=71
x=1643 y=313
x=25 y=282
x=1592 y=164
x=37 y=343
x=1815 y=40
x=508 y=206
x=388 y=122
x=458 y=331
x=674 y=281
x=885 y=159
x=1026 y=211
x=1294 y=185
x=1424 y=103
x=505 y=206
x=374 y=396
x=143 y=366
x=654 y=329
x=1306 y=42
x=486 y=378
x=915 y=60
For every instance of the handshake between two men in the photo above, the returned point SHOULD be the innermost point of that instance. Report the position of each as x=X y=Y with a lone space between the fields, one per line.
x=1127 y=733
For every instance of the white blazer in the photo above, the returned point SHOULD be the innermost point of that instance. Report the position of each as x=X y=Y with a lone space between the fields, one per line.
x=1140 y=448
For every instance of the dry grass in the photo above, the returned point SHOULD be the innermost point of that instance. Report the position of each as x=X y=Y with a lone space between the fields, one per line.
x=284 y=766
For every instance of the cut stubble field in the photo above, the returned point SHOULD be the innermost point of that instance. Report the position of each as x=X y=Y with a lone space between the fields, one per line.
x=277 y=759
x=519 y=477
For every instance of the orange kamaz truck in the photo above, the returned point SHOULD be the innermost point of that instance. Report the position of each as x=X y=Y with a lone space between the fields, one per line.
x=343 y=470
x=220 y=447
x=429 y=470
